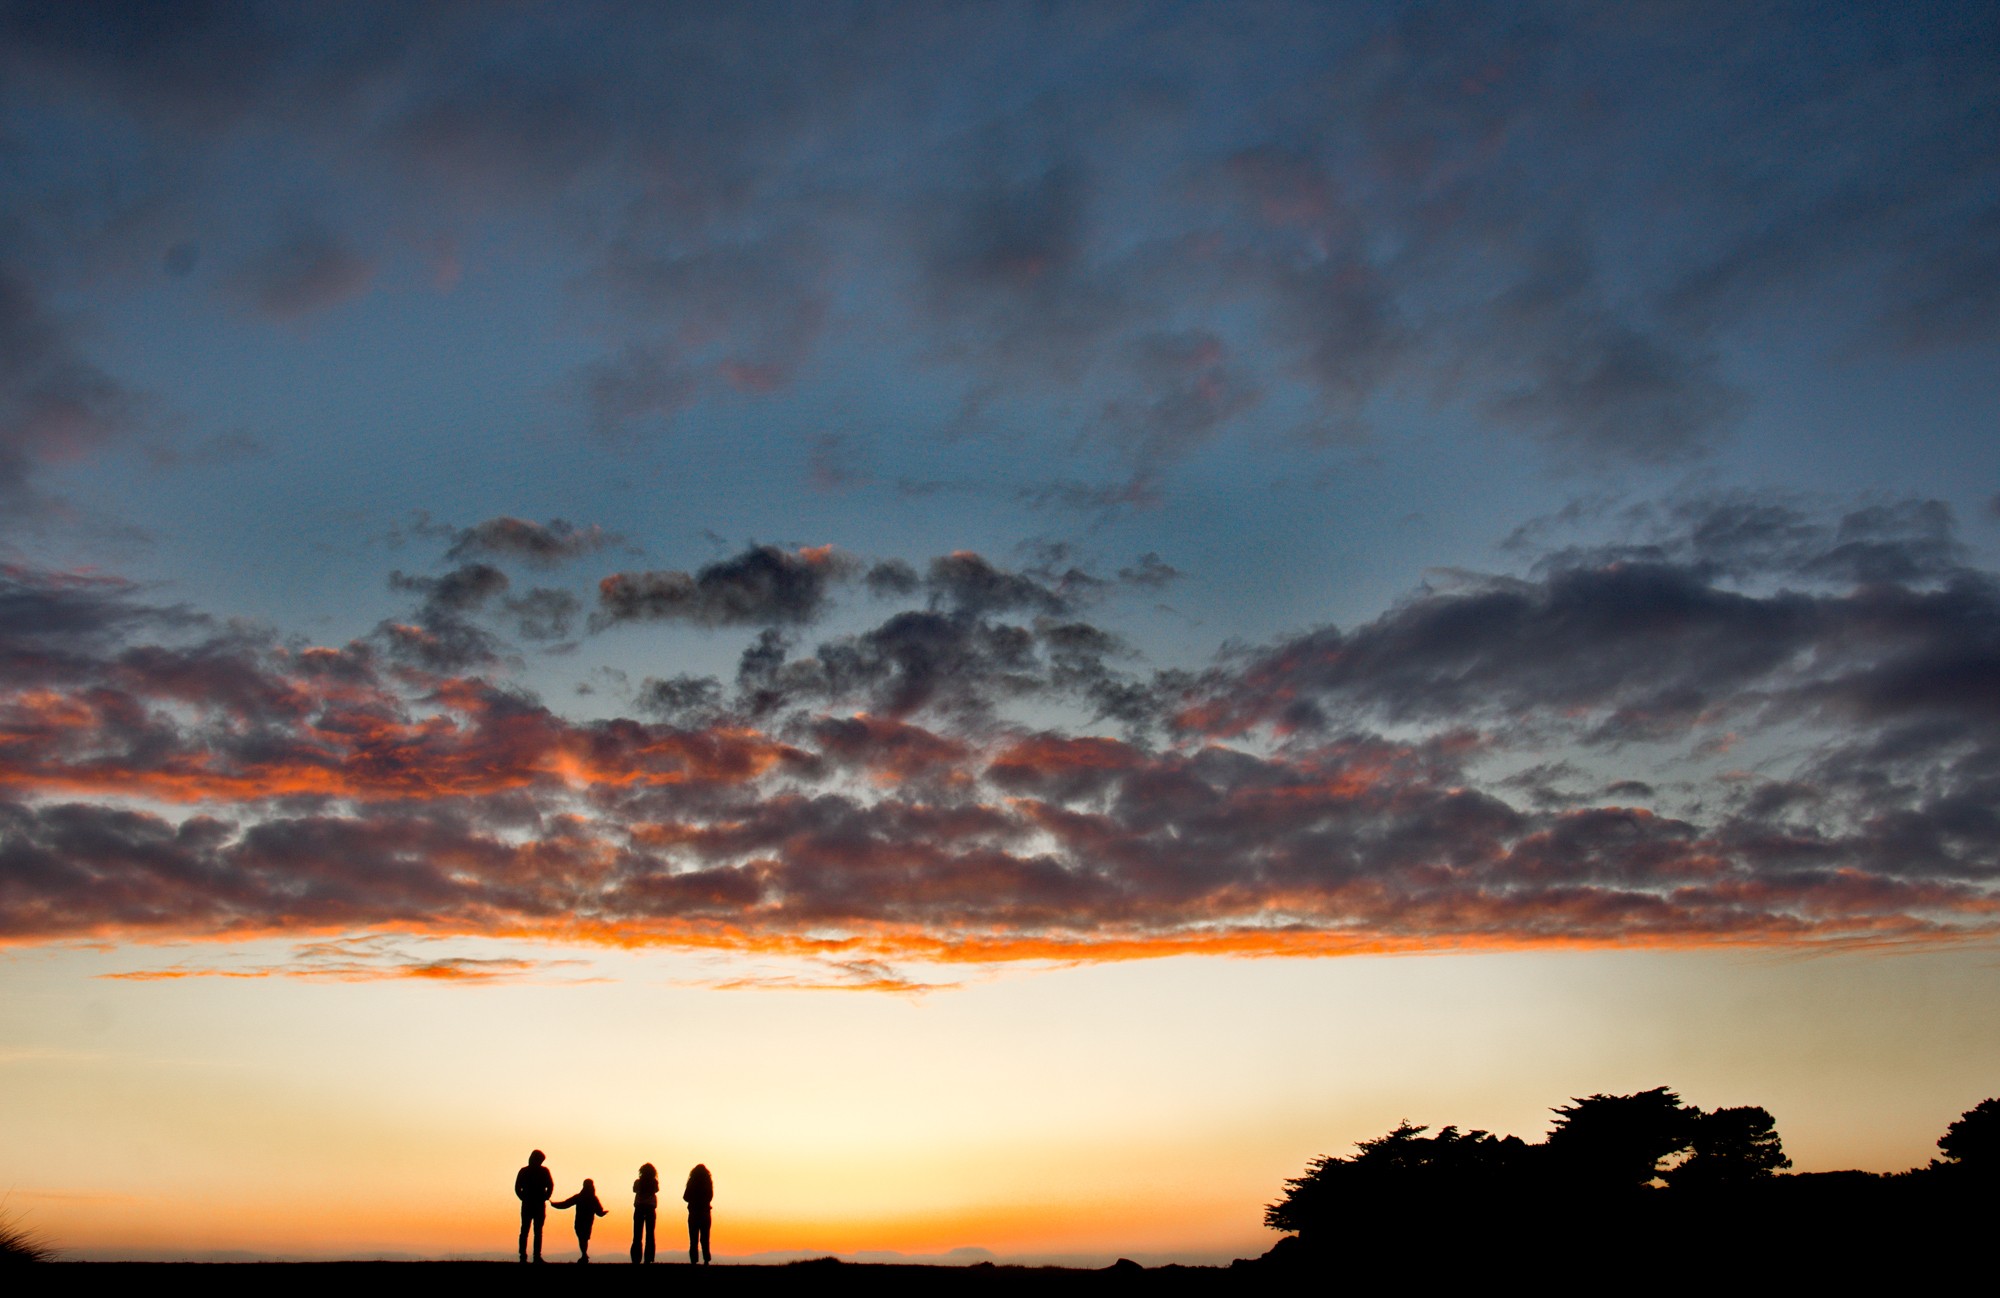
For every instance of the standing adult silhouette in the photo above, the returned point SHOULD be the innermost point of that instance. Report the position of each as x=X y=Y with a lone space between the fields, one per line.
x=533 y=1186
x=645 y=1211
x=700 y=1193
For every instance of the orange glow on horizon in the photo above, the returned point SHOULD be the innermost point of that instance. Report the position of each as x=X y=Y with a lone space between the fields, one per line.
x=135 y=1224
x=890 y=942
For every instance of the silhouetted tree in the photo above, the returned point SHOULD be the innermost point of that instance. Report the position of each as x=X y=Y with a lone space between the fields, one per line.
x=1731 y=1147
x=1973 y=1142
x=1392 y=1170
x=1443 y=1206
x=1614 y=1141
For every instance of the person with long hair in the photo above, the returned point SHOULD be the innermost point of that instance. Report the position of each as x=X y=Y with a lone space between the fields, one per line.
x=700 y=1193
x=645 y=1211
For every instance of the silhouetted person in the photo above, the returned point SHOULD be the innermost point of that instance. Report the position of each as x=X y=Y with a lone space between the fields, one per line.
x=588 y=1210
x=700 y=1193
x=532 y=1186
x=645 y=1211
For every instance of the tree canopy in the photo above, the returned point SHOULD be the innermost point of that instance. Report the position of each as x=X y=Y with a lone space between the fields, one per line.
x=1616 y=1176
x=1973 y=1142
x=1619 y=1141
x=1393 y=1167
x=1729 y=1147
x=1602 y=1147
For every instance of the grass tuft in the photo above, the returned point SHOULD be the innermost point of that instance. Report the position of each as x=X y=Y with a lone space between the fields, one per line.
x=19 y=1244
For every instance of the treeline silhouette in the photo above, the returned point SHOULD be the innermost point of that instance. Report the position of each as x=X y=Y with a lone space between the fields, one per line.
x=1630 y=1180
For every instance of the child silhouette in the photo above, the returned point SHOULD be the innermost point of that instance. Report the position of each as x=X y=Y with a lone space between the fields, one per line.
x=588 y=1210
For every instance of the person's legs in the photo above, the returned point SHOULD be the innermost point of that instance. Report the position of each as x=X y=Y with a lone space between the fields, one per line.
x=541 y=1212
x=704 y=1241
x=583 y=1243
x=652 y=1220
x=638 y=1229
x=526 y=1216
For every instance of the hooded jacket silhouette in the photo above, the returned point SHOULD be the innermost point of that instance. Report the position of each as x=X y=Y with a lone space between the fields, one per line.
x=532 y=1186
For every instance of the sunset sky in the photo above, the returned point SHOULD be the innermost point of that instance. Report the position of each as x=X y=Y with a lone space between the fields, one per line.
x=1001 y=621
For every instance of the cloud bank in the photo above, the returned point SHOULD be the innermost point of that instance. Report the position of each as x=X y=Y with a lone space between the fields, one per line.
x=1743 y=723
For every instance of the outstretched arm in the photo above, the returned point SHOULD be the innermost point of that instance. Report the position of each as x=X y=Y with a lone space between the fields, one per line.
x=569 y=1202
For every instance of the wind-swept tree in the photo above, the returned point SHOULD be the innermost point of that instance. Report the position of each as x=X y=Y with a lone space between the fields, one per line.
x=1730 y=1147
x=1390 y=1172
x=1618 y=1141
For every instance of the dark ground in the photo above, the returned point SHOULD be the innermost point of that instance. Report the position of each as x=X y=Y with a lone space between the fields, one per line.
x=1435 y=1260
x=376 y=1279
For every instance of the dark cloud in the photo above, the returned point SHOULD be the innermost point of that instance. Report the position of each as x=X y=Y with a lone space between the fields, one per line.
x=892 y=578
x=1570 y=368
x=1006 y=275
x=545 y=613
x=1150 y=572
x=1748 y=536
x=918 y=660
x=1950 y=290
x=683 y=700
x=1186 y=390
x=441 y=636
x=960 y=656
x=56 y=626
x=1654 y=642
x=741 y=316
x=500 y=132
x=303 y=274
x=196 y=62
x=549 y=544
x=967 y=583
x=464 y=589
x=55 y=404
x=637 y=387
x=763 y=585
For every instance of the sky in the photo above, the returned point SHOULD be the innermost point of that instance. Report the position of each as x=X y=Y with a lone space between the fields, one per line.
x=1002 y=621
